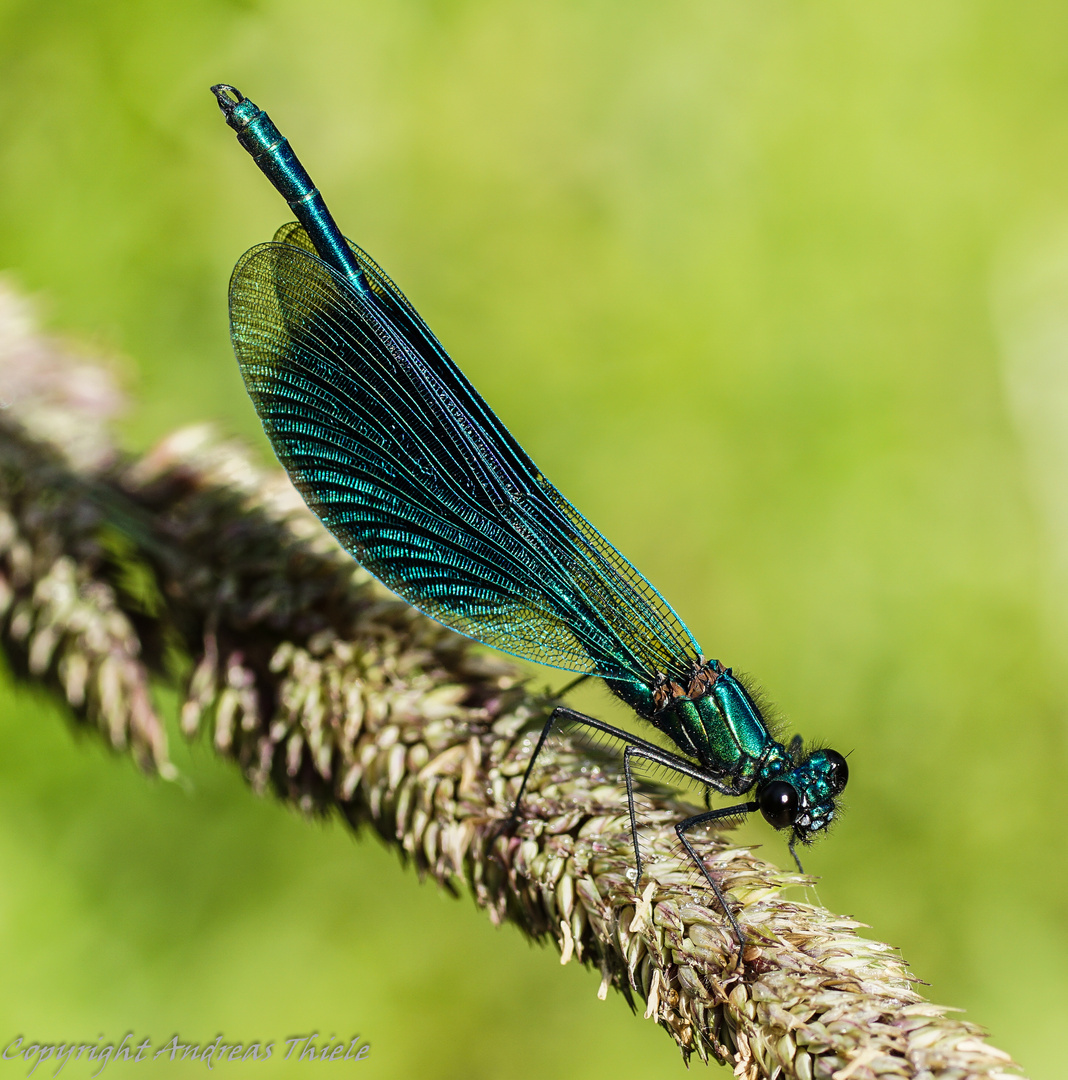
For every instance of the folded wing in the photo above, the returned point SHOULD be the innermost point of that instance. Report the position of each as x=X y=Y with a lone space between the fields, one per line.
x=410 y=469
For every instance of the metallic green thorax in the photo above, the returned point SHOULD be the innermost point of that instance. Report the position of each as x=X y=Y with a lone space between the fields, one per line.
x=714 y=721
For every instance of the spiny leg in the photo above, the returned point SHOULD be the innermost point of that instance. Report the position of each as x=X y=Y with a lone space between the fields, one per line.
x=513 y=818
x=701 y=819
x=650 y=751
x=628 y=775
x=636 y=747
x=661 y=757
x=800 y=868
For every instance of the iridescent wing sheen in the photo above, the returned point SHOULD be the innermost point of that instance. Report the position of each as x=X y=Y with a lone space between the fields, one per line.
x=410 y=469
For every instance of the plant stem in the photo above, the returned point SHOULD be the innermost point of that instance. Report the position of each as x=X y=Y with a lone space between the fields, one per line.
x=193 y=566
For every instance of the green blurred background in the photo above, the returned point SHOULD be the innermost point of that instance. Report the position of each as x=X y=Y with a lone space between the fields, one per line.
x=776 y=294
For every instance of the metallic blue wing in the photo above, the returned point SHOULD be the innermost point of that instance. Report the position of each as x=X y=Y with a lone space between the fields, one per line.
x=410 y=469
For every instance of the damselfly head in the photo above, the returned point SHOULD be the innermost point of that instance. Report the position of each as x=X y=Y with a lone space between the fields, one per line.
x=803 y=798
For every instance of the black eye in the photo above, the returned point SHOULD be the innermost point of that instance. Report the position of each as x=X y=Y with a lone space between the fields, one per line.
x=778 y=804
x=839 y=771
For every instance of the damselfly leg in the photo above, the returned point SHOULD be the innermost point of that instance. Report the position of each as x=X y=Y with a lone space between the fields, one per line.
x=640 y=749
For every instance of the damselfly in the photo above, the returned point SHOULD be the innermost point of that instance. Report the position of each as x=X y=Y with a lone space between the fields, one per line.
x=410 y=469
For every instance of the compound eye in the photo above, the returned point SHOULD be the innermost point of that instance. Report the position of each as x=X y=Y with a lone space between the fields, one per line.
x=839 y=771
x=778 y=804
